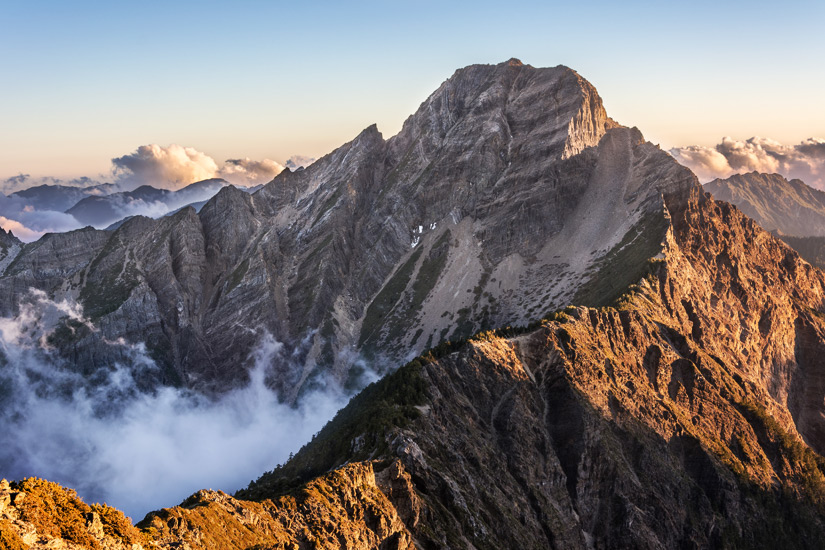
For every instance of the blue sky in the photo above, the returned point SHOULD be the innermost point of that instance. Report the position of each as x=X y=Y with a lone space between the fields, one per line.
x=83 y=82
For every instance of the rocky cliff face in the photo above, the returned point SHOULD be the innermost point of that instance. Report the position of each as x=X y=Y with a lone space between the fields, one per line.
x=505 y=190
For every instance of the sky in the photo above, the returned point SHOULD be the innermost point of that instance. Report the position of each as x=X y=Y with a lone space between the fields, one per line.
x=82 y=83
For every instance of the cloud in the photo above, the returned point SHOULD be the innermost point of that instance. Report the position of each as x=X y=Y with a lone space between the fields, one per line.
x=805 y=161
x=103 y=436
x=175 y=166
x=299 y=161
x=172 y=167
x=28 y=224
x=169 y=167
x=249 y=172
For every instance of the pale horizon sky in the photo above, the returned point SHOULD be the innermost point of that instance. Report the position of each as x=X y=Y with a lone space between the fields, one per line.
x=86 y=82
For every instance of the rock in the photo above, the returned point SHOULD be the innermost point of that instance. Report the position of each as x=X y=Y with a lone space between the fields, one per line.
x=507 y=177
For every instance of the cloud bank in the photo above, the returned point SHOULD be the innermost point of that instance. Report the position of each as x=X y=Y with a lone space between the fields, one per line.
x=139 y=451
x=249 y=172
x=175 y=166
x=299 y=161
x=28 y=224
x=805 y=161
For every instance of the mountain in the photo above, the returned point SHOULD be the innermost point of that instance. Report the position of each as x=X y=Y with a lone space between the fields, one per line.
x=678 y=404
x=508 y=188
x=792 y=210
x=60 y=198
x=789 y=207
x=102 y=211
x=687 y=416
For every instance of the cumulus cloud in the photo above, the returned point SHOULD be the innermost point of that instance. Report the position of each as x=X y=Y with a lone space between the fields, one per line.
x=249 y=172
x=805 y=161
x=113 y=441
x=299 y=161
x=175 y=166
x=169 y=167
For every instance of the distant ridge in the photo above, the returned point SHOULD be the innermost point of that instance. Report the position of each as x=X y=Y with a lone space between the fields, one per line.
x=789 y=207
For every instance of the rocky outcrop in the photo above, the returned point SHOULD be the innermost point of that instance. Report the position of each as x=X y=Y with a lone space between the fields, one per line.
x=39 y=514
x=352 y=507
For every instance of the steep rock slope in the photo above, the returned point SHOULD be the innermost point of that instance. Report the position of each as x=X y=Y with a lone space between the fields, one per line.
x=507 y=189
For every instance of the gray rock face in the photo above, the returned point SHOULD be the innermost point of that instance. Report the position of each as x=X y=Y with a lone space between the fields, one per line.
x=501 y=198
x=789 y=207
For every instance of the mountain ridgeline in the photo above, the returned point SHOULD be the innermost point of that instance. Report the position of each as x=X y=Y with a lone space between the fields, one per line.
x=488 y=208
x=677 y=404
x=791 y=209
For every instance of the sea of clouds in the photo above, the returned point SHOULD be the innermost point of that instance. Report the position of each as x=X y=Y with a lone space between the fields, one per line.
x=140 y=450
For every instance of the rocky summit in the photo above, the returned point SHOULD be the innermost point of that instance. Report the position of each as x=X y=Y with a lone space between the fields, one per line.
x=508 y=188
x=677 y=404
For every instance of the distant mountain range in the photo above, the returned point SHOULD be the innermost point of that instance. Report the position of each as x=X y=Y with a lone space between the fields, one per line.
x=105 y=206
x=788 y=207
x=791 y=209
x=103 y=210
x=60 y=198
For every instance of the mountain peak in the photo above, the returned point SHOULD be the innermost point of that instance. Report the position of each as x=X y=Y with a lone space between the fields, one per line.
x=514 y=62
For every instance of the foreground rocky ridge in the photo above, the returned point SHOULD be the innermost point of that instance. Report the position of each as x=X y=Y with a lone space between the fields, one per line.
x=689 y=415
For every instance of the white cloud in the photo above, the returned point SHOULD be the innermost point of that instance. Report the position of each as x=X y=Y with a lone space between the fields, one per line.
x=175 y=166
x=140 y=451
x=169 y=167
x=249 y=172
x=299 y=161
x=805 y=161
